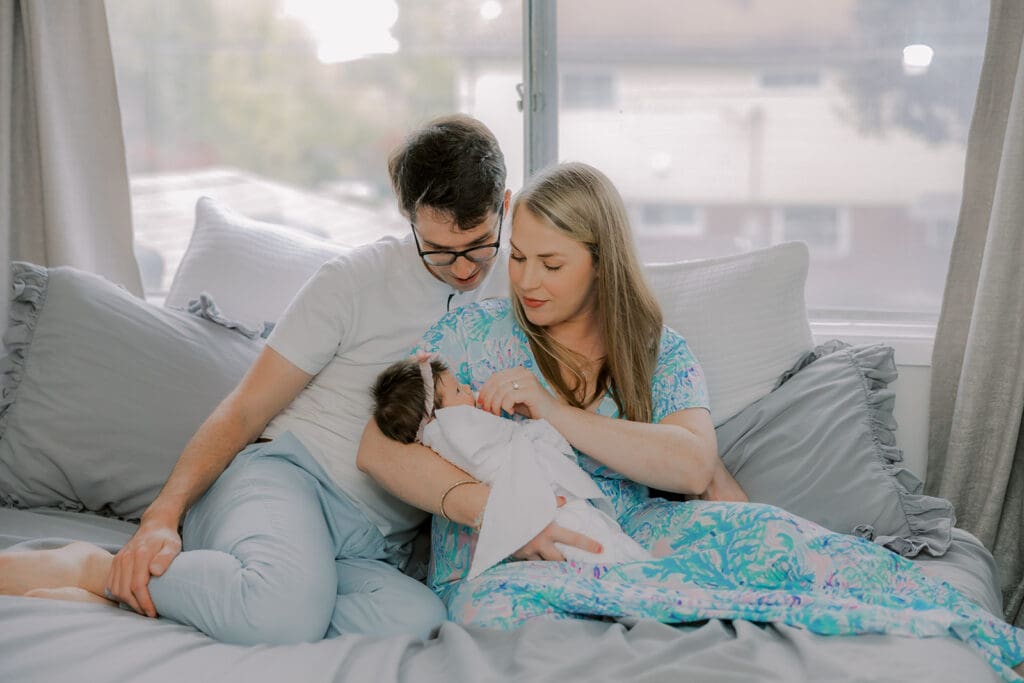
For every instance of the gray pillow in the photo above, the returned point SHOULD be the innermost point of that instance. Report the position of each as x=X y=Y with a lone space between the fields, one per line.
x=101 y=391
x=822 y=445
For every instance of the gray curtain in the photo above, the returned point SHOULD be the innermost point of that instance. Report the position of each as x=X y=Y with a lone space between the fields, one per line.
x=976 y=447
x=64 y=196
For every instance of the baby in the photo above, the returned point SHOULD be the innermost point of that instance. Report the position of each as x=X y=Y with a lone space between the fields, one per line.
x=525 y=463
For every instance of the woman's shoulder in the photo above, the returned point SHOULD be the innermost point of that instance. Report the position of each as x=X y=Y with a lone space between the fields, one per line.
x=671 y=341
x=678 y=382
x=673 y=351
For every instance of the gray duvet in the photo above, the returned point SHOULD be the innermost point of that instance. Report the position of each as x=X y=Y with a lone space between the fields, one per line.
x=43 y=640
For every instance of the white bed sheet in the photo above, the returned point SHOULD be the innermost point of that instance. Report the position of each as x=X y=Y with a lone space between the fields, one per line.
x=43 y=640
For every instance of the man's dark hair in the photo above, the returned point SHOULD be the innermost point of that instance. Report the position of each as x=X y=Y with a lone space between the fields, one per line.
x=452 y=165
x=398 y=397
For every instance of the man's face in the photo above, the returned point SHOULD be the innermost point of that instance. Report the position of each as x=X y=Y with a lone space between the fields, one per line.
x=435 y=231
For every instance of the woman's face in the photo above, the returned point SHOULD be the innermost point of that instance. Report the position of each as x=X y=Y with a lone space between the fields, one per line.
x=552 y=275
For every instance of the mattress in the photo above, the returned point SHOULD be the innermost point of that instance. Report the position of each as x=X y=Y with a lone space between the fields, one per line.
x=45 y=640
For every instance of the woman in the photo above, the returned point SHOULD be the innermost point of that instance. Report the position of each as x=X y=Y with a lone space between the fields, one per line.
x=581 y=344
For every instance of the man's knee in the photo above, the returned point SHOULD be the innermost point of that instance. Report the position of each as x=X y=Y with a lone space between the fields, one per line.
x=406 y=607
x=374 y=599
x=424 y=612
x=274 y=616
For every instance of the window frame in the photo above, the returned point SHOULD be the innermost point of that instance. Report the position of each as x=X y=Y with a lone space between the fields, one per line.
x=913 y=340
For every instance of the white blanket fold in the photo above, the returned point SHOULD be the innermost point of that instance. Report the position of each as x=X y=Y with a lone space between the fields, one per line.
x=526 y=465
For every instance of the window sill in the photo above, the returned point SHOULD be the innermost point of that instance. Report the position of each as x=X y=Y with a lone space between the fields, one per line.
x=912 y=341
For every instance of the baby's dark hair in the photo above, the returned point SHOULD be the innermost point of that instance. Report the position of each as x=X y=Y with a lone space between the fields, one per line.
x=399 y=395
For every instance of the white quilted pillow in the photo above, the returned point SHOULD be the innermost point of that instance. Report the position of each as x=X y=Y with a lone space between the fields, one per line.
x=251 y=269
x=743 y=316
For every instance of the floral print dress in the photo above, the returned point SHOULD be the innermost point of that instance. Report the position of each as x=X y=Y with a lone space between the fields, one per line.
x=714 y=560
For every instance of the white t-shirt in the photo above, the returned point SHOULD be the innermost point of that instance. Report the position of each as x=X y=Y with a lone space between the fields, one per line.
x=359 y=313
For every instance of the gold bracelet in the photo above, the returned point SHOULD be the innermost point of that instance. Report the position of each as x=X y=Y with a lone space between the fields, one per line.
x=450 y=489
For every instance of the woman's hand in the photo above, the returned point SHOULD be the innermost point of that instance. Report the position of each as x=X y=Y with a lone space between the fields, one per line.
x=543 y=547
x=516 y=390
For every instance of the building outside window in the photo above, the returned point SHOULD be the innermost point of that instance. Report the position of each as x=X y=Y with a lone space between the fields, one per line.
x=825 y=229
x=286 y=110
x=779 y=119
x=658 y=218
x=588 y=91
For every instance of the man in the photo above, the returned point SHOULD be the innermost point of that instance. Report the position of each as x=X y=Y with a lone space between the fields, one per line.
x=288 y=540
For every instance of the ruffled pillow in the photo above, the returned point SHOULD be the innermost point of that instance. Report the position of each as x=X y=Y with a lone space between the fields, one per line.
x=823 y=446
x=101 y=391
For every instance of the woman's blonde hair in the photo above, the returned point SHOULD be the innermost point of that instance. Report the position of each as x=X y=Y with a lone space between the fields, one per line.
x=581 y=202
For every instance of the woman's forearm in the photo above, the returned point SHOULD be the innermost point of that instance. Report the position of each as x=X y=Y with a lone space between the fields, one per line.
x=668 y=456
x=420 y=477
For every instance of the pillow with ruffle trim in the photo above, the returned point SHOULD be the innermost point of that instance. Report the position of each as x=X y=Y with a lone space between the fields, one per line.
x=251 y=268
x=822 y=445
x=101 y=390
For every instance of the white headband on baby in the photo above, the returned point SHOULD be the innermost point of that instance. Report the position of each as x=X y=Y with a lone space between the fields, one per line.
x=423 y=359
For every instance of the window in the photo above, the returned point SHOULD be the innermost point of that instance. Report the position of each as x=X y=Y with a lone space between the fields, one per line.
x=938 y=214
x=789 y=119
x=790 y=78
x=286 y=110
x=665 y=218
x=588 y=91
x=825 y=229
x=939 y=235
x=748 y=123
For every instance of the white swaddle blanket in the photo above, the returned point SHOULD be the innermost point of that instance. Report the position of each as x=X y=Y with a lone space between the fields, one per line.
x=526 y=464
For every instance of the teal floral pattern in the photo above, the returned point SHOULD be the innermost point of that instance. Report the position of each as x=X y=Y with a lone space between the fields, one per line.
x=713 y=560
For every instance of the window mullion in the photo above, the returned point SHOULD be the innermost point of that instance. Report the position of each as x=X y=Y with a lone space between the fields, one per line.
x=540 y=85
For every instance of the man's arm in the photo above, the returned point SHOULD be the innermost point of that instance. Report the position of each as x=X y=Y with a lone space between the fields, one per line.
x=269 y=386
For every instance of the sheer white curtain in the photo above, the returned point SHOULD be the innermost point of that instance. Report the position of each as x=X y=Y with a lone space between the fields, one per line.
x=64 y=197
x=976 y=444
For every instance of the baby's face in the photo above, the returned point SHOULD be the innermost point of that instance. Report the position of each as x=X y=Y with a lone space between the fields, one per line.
x=453 y=393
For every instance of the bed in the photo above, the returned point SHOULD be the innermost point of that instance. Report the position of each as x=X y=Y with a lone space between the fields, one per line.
x=100 y=391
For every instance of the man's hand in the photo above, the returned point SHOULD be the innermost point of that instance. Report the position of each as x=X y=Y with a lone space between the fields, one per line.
x=542 y=547
x=148 y=553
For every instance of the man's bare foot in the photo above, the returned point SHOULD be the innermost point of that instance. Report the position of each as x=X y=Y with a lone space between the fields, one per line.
x=78 y=565
x=70 y=594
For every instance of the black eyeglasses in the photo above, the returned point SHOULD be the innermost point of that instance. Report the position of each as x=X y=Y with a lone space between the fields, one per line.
x=479 y=254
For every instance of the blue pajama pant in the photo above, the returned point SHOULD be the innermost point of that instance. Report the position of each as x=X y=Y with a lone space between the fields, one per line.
x=276 y=553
